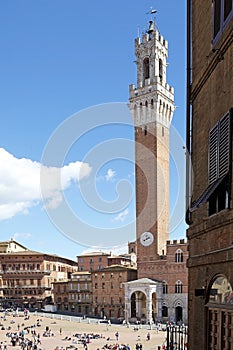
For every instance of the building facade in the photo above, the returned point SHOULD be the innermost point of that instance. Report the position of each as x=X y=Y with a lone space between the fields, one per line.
x=209 y=173
x=164 y=296
x=108 y=291
x=74 y=295
x=26 y=276
x=92 y=261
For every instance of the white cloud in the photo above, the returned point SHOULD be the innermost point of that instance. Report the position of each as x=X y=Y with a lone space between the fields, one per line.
x=21 y=180
x=122 y=216
x=110 y=174
x=24 y=235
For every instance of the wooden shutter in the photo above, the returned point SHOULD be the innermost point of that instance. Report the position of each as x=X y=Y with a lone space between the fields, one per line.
x=224 y=145
x=220 y=148
x=213 y=154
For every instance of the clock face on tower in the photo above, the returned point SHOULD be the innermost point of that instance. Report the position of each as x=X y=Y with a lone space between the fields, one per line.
x=146 y=239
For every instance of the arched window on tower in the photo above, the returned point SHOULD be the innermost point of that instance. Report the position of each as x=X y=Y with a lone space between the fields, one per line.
x=179 y=256
x=146 y=69
x=178 y=287
x=161 y=70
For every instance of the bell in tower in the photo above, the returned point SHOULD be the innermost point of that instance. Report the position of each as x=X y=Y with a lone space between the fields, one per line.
x=151 y=27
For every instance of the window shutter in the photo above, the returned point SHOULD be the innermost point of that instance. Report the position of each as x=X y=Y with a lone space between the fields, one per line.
x=220 y=148
x=213 y=154
x=224 y=145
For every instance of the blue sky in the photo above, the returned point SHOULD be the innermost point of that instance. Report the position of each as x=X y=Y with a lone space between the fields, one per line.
x=60 y=59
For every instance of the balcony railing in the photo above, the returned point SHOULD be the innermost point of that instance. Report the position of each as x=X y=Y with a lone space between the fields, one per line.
x=25 y=272
x=24 y=287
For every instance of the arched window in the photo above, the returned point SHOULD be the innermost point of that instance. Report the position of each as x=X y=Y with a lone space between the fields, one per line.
x=152 y=103
x=178 y=287
x=146 y=104
x=179 y=256
x=221 y=291
x=161 y=70
x=220 y=316
x=146 y=69
x=164 y=287
x=162 y=131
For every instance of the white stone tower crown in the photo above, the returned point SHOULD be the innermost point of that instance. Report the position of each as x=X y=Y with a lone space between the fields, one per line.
x=152 y=88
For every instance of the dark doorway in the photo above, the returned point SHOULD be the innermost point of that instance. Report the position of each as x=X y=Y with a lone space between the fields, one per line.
x=179 y=313
x=133 y=305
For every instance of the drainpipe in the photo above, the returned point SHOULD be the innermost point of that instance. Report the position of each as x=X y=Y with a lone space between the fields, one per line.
x=188 y=116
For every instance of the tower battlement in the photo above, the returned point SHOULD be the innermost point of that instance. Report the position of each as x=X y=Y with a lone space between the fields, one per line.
x=149 y=86
x=176 y=242
x=155 y=35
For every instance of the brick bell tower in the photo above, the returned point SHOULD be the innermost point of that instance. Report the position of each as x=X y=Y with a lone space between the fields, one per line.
x=152 y=107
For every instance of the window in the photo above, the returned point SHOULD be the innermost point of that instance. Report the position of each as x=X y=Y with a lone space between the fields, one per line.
x=112 y=285
x=222 y=12
x=178 y=287
x=100 y=259
x=218 y=191
x=179 y=256
x=103 y=285
x=164 y=287
x=220 y=314
x=162 y=131
x=161 y=70
x=219 y=164
x=146 y=69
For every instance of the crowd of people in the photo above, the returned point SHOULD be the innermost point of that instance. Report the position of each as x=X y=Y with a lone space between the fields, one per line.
x=25 y=332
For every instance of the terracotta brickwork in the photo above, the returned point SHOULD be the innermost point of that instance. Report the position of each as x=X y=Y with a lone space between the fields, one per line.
x=210 y=236
x=152 y=196
x=108 y=290
x=92 y=261
x=26 y=277
x=74 y=295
